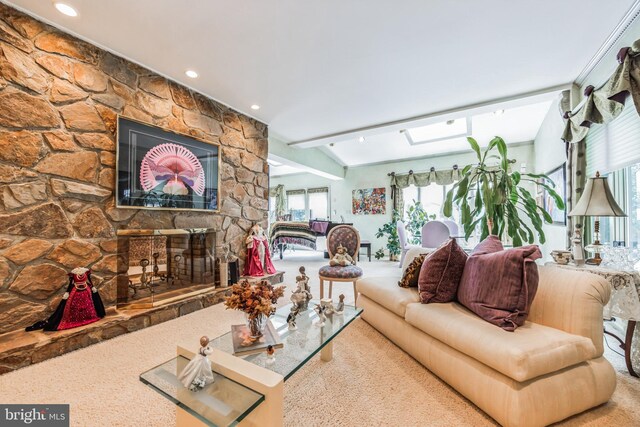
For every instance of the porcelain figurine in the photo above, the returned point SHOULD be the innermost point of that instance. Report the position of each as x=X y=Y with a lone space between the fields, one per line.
x=340 y=307
x=327 y=303
x=341 y=258
x=258 y=262
x=198 y=374
x=271 y=355
x=321 y=314
x=80 y=305
x=302 y=295
x=291 y=318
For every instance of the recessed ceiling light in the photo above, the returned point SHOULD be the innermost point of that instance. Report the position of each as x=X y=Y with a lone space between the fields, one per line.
x=191 y=74
x=361 y=139
x=65 y=9
x=255 y=107
x=498 y=112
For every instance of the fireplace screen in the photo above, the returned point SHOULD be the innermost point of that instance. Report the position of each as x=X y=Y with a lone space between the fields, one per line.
x=162 y=265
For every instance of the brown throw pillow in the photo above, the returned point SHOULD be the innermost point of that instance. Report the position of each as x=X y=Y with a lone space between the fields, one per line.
x=500 y=286
x=410 y=276
x=441 y=272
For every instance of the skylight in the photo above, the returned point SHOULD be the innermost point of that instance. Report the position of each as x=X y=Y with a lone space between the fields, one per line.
x=439 y=131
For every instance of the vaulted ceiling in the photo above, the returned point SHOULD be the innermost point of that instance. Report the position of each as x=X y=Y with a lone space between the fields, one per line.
x=318 y=68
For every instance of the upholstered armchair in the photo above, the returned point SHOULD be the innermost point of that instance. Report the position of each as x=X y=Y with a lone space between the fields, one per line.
x=349 y=238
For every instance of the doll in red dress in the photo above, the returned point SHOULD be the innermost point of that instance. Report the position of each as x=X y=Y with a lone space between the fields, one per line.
x=258 y=257
x=80 y=305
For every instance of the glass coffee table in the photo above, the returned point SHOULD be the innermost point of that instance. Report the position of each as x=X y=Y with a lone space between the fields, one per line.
x=300 y=345
x=248 y=387
x=222 y=403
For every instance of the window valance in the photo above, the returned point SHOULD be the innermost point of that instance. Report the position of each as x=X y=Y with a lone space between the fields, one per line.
x=607 y=102
x=294 y=192
x=422 y=179
x=318 y=190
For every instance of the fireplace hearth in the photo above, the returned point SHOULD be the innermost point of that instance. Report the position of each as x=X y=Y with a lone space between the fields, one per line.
x=156 y=267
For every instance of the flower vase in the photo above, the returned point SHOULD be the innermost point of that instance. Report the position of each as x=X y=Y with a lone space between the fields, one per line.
x=256 y=324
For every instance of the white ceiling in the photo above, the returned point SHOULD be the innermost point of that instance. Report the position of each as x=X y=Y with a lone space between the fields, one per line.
x=519 y=124
x=318 y=68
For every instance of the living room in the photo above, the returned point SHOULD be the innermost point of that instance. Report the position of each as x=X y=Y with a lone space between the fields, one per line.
x=275 y=213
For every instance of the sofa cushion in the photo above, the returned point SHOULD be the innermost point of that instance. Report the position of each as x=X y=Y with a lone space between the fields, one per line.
x=441 y=272
x=412 y=253
x=528 y=352
x=386 y=292
x=500 y=286
x=412 y=272
x=340 y=272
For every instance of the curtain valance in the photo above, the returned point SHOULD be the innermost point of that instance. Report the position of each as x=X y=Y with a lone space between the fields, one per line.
x=318 y=190
x=294 y=192
x=422 y=179
x=607 y=102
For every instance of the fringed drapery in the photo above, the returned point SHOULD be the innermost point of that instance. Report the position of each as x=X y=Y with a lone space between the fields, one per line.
x=576 y=179
x=278 y=193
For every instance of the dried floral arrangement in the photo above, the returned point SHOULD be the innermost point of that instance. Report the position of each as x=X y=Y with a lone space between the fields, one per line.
x=254 y=299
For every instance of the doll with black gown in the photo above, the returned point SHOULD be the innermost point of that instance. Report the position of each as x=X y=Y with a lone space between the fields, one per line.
x=80 y=305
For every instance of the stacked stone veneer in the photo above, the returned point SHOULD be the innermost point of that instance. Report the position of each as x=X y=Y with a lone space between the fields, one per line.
x=59 y=102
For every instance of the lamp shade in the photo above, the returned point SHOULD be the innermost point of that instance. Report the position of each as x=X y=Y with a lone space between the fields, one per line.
x=597 y=200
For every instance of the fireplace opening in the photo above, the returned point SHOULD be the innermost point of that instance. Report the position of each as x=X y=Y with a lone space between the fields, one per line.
x=156 y=267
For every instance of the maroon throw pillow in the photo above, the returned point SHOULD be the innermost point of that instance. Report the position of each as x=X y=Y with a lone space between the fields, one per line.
x=441 y=272
x=488 y=245
x=500 y=286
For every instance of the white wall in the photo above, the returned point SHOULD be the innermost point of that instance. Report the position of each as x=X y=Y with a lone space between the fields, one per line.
x=376 y=176
x=550 y=153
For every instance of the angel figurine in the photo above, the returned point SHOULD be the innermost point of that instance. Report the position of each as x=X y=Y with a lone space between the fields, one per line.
x=197 y=374
x=320 y=309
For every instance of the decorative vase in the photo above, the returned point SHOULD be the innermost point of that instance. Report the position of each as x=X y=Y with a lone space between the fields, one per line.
x=256 y=324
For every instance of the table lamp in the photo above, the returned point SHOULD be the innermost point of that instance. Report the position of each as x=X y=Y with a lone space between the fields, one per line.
x=597 y=200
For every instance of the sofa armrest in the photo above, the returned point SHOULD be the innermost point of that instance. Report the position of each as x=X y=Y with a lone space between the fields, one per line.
x=571 y=301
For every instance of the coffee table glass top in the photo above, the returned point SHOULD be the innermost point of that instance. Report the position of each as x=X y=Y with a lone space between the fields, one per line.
x=222 y=403
x=299 y=345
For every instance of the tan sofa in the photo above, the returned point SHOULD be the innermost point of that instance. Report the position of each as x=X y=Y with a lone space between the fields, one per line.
x=545 y=371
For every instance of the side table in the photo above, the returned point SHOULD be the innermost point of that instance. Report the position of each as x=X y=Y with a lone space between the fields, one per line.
x=624 y=304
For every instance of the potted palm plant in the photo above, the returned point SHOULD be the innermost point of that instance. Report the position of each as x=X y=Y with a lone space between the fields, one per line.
x=492 y=196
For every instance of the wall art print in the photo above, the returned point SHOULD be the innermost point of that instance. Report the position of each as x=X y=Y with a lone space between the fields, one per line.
x=159 y=169
x=558 y=176
x=369 y=201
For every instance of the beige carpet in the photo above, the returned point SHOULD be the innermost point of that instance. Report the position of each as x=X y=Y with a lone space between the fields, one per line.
x=370 y=382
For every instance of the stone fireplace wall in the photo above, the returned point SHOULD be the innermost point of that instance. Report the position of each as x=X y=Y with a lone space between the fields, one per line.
x=59 y=102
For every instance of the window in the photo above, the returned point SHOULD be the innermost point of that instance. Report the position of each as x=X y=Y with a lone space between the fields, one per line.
x=296 y=205
x=431 y=197
x=625 y=185
x=318 y=203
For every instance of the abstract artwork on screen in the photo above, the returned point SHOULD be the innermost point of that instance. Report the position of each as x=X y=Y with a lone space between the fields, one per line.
x=160 y=169
x=369 y=201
